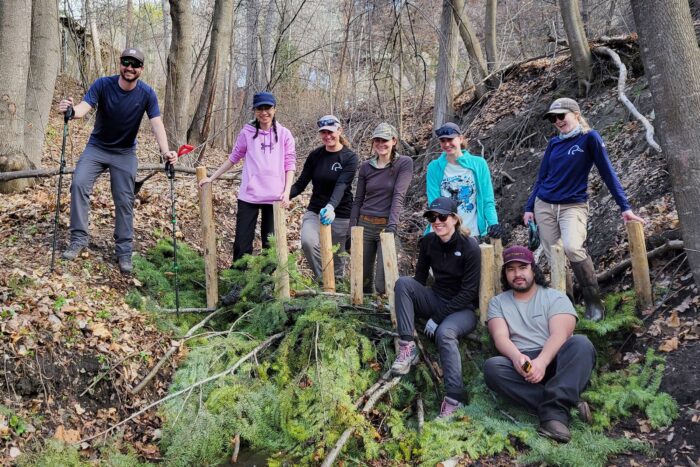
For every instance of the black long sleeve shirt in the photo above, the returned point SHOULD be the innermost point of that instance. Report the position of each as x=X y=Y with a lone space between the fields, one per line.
x=331 y=174
x=456 y=266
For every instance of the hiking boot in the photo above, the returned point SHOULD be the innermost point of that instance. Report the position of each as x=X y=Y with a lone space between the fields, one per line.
x=585 y=274
x=584 y=412
x=408 y=356
x=72 y=251
x=556 y=430
x=449 y=406
x=125 y=265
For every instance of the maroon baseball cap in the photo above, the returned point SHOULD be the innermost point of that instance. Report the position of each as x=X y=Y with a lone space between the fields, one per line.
x=518 y=253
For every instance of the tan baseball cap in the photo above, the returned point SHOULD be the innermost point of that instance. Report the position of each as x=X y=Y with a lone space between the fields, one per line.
x=561 y=106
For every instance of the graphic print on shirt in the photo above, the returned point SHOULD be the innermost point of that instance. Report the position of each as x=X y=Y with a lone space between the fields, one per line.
x=574 y=149
x=336 y=167
x=459 y=184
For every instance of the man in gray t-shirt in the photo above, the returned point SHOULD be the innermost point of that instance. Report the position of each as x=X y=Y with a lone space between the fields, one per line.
x=542 y=366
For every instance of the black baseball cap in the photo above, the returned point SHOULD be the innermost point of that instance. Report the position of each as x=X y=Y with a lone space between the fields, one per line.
x=442 y=205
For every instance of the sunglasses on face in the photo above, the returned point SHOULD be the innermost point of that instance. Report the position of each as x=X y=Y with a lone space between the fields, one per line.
x=554 y=117
x=129 y=62
x=327 y=122
x=446 y=133
x=433 y=216
x=263 y=108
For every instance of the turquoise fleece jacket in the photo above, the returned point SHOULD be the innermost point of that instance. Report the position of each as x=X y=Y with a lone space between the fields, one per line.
x=485 y=201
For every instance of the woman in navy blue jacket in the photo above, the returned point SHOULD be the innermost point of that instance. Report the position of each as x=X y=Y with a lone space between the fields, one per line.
x=559 y=201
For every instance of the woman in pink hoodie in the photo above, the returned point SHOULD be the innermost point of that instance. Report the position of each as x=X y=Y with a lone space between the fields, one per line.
x=269 y=159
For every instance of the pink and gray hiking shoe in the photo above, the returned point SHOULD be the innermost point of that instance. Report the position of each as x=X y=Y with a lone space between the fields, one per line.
x=449 y=406
x=408 y=356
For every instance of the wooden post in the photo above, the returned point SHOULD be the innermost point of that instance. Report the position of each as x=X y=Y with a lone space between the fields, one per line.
x=282 y=271
x=497 y=264
x=206 y=212
x=486 y=282
x=558 y=268
x=391 y=275
x=640 y=264
x=327 y=258
x=356 y=252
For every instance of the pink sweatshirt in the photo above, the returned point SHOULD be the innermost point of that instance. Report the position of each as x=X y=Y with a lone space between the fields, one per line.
x=265 y=164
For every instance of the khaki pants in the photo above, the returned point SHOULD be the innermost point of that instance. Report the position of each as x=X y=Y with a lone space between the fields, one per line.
x=563 y=224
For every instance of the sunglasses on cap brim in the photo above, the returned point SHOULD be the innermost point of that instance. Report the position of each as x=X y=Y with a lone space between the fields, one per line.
x=433 y=216
x=132 y=62
x=446 y=133
x=327 y=122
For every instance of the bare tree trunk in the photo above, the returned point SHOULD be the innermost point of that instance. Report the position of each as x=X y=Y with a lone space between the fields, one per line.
x=578 y=43
x=253 y=75
x=177 y=86
x=129 y=23
x=443 y=110
x=267 y=41
x=348 y=10
x=585 y=16
x=15 y=36
x=672 y=64
x=231 y=95
x=44 y=60
x=611 y=15
x=490 y=35
x=166 y=25
x=476 y=58
x=220 y=41
x=95 y=33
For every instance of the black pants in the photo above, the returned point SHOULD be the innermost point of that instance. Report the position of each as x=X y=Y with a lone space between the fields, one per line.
x=564 y=380
x=245 y=227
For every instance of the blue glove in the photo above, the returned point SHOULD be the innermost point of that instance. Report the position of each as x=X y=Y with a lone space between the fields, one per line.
x=327 y=214
x=430 y=328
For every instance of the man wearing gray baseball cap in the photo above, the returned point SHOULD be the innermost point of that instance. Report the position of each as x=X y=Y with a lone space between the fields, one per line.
x=121 y=100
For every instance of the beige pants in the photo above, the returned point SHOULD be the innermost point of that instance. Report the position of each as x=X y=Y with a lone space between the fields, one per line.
x=563 y=224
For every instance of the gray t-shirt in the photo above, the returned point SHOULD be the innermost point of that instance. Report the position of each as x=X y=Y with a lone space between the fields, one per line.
x=528 y=322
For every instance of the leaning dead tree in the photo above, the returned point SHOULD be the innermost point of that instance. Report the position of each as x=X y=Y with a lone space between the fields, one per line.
x=621 y=83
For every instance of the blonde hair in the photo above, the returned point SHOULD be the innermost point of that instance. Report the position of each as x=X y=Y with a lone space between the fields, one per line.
x=343 y=140
x=462 y=229
x=585 y=127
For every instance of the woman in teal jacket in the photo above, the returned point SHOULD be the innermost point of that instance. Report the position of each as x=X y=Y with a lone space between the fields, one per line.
x=465 y=178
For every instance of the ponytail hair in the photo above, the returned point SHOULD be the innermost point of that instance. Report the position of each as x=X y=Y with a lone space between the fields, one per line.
x=585 y=127
x=344 y=141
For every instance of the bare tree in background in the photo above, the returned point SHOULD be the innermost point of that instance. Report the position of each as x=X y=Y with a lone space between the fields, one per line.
x=578 y=43
x=95 y=35
x=44 y=61
x=490 y=35
x=216 y=66
x=26 y=92
x=443 y=110
x=471 y=42
x=672 y=63
x=180 y=61
x=129 y=32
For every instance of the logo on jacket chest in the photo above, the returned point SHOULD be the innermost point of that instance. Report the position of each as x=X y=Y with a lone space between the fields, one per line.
x=574 y=149
x=336 y=167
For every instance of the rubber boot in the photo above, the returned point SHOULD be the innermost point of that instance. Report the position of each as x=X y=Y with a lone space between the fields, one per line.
x=585 y=274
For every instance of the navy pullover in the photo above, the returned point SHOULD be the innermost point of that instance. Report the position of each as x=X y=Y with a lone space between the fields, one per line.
x=563 y=175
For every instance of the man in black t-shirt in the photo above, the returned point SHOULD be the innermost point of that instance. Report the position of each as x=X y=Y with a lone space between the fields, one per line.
x=121 y=100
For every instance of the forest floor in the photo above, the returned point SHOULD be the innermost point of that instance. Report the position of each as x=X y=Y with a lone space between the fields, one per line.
x=64 y=332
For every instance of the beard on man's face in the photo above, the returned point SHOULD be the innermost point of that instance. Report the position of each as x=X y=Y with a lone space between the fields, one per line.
x=129 y=78
x=522 y=284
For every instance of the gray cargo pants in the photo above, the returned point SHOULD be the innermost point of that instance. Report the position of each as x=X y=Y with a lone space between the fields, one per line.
x=121 y=164
x=413 y=298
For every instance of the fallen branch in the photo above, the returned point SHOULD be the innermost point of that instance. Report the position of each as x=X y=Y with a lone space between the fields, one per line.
x=624 y=265
x=227 y=371
x=174 y=345
x=44 y=173
x=621 y=81
x=313 y=293
x=186 y=310
x=420 y=413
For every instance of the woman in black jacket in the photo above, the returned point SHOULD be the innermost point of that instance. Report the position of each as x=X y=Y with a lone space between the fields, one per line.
x=449 y=304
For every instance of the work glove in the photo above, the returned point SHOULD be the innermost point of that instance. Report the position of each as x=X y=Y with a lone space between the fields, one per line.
x=495 y=231
x=327 y=214
x=391 y=229
x=430 y=328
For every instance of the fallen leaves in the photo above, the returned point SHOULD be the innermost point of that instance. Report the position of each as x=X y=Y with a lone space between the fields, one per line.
x=67 y=436
x=669 y=345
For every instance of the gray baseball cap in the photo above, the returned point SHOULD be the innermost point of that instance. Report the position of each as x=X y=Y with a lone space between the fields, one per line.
x=561 y=106
x=133 y=52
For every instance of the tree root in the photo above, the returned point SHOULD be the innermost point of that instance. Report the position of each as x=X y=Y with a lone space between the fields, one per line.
x=624 y=265
x=623 y=98
x=266 y=343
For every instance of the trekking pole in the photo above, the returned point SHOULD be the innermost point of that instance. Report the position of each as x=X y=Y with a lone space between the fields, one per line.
x=61 y=168
x=170 y=173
